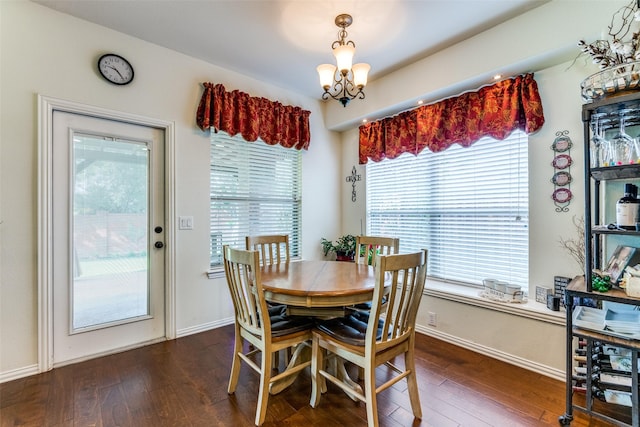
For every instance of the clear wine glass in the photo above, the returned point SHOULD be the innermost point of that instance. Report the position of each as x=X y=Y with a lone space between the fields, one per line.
x=600 y=146
x=631 y=122
x=623 y=146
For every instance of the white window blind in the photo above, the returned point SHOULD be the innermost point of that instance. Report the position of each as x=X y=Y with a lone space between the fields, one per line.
x=468 y=206
x=255 y=190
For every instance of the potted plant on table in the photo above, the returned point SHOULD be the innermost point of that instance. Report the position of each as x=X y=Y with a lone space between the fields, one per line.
x=344 y=247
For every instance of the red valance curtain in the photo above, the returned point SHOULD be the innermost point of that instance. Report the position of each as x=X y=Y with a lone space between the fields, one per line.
x=253 y=117
x=495 y=111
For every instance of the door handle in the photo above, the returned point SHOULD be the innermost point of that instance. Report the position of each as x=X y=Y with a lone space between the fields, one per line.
x=159 y=245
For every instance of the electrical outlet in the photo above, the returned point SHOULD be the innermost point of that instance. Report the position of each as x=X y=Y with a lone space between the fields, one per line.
x=433 y=319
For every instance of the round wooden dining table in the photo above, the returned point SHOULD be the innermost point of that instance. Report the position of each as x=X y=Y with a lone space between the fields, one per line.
x=318 y=288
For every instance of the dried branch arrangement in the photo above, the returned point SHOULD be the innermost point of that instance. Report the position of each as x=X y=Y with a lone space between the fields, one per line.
x=620 y=50
x=576 y=245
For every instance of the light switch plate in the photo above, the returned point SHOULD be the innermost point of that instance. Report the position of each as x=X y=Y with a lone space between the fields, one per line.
x=185 y=223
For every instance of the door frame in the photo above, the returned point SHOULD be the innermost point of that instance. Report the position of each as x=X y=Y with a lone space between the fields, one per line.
x=46 y=107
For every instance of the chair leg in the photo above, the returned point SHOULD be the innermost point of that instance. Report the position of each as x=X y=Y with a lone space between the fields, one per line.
x=235 y=365
x=317 y=363
x=263 y=393
x=370 y=395
x=412 y=384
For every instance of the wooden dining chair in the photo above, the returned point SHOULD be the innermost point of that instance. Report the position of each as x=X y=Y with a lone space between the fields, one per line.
x=264 y=333
x=367 y=247
x=373 y=339
x=273 y=249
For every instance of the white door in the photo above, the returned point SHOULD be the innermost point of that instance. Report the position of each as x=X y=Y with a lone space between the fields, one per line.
x=108 y=236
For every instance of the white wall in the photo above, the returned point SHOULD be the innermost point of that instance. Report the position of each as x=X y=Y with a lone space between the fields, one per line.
x=53 y=54
x=45 y=52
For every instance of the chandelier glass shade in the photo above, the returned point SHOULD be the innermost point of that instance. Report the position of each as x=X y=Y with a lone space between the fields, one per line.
x=345 y=80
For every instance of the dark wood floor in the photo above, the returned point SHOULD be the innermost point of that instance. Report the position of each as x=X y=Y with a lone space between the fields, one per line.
x=184 y=383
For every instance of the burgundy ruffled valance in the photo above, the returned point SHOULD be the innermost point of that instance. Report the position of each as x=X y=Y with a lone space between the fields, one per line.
x=253 y=117
x=495 y=111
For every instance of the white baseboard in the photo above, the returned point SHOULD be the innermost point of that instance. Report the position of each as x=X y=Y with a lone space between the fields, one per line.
x=204 y=327
x=539 y=368
x=487 y=351
x=15 y=374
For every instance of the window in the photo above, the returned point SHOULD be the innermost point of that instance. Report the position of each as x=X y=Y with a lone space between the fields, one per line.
x=468 y=206
x=255 y=190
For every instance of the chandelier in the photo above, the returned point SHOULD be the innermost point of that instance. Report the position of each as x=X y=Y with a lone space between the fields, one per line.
x=346 y=81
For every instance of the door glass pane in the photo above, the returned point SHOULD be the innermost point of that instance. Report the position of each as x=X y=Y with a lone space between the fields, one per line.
x=110 y=231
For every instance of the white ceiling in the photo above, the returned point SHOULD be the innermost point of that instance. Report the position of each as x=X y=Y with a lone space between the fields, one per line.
x=282 y=41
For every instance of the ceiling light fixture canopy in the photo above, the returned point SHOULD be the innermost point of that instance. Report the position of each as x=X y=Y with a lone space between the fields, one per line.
x=345 y=81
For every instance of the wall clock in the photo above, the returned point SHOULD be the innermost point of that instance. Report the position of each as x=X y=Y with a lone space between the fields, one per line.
x=115 y=69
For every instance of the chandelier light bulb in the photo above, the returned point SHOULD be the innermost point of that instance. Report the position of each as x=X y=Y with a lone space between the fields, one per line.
x=360 y=72
x=344 y=57
x=327 y=73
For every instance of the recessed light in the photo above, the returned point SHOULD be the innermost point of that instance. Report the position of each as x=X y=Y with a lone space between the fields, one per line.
x=420 y=102
x=364 y=120
x=497 y=77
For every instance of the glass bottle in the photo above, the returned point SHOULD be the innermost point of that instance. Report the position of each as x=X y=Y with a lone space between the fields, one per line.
x=627 y=208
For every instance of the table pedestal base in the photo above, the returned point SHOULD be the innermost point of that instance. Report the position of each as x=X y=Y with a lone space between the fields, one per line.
x=302 y=355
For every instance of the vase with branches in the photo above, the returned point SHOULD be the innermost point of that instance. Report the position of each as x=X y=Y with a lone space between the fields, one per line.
x=575 y=246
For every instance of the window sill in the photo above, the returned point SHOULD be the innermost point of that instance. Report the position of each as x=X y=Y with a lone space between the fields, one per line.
x=470 y=295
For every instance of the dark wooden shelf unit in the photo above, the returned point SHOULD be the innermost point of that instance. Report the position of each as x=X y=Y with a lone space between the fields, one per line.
x=589 y=394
